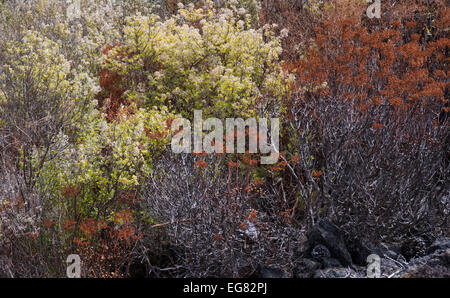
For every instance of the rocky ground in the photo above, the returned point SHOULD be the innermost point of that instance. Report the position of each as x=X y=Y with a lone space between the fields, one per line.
x=327 y=255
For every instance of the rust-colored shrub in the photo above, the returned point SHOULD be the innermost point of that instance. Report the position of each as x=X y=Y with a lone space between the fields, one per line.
x=367 y=115
x=106 y=248
x=110 y=98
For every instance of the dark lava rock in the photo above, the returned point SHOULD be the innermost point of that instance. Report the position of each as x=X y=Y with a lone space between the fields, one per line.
x=436 y=264
x=440 y=243
x=320 y=252
x=414 y=247
x=359 y=251
x=323 y=255
x=438 y=257
x=329 y=235
x=306 y=268
x=331 y=263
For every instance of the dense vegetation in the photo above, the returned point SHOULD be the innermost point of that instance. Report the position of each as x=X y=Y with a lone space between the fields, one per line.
x=86 y=104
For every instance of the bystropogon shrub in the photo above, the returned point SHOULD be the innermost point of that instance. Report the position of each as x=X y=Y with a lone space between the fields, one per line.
x=204 y=58
x=96 y=178
x=42 y=97
x=108 y=158
x=86 y=183
x=61 y=161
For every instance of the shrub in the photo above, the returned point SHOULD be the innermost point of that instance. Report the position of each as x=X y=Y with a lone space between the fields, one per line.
x=41 y=97
x=366 y=124
x=107 y=159
x=86 y=103
x=201 y=58
x=61 y=161
x=218 y=218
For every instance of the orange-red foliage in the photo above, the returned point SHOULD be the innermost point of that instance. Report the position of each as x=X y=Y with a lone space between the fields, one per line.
x=401 y=61
x=104 y=246
x=110 y=99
